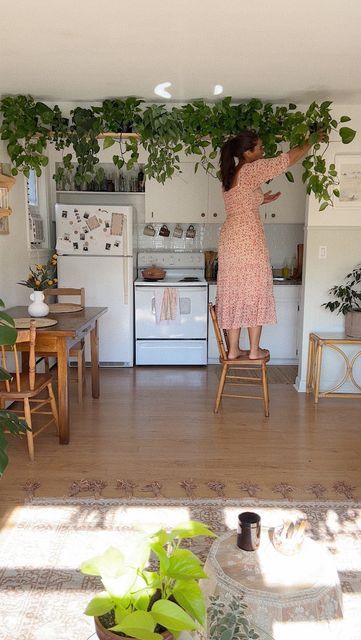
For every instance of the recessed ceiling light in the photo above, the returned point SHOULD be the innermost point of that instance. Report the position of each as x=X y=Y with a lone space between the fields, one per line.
x=218 y=89
x=161 y=89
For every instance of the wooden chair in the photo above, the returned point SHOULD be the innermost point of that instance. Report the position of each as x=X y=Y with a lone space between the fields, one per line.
x=25 y=387
x=241 y=364
x=78 y=349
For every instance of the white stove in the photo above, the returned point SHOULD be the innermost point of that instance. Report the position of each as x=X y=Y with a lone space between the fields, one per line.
x=171 y=314
x=182 y=269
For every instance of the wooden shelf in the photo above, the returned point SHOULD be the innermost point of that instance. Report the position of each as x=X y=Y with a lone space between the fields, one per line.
x=5 y=212
x=118 y=136
x=107 y=193
x=6 y=182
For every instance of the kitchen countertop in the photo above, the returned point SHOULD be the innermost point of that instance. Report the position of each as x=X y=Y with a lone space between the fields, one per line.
x=275 y=282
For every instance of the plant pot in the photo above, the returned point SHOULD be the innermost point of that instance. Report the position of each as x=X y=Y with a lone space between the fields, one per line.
x=353 y=324
x=38 y=308
x=106 y=634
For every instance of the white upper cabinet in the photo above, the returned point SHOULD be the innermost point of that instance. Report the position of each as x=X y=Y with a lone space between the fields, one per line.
x=290 y=206
x=215 y=209
x=183 y=198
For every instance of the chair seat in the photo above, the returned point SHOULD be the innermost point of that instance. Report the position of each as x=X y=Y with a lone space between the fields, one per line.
x=243 y=361
x=41 y=381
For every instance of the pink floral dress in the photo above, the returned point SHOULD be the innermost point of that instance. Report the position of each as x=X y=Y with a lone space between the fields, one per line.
x=244 y=281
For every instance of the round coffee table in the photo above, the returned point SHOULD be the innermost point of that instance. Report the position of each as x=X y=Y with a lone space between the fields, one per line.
x=294 y=597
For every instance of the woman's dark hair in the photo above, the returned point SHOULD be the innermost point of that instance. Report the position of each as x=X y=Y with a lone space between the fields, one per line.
x=235 y=148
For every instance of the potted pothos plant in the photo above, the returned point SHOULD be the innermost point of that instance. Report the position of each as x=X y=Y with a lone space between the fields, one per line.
x=151 y=591
x=347 y=300
x=9 y=422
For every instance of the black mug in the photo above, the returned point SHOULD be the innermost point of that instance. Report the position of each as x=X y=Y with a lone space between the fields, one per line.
x=248 y=531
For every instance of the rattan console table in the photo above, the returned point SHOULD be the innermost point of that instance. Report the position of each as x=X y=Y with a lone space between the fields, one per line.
x=336 y=342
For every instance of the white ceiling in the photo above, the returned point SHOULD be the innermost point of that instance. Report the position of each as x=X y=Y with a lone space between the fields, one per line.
x=279 y=50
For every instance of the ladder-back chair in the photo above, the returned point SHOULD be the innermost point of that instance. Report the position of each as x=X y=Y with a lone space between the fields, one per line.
x=26 y=387
x=78 y=349
x=240 y=364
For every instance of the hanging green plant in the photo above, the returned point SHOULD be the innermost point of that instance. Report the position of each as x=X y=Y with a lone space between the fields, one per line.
x=195 y=128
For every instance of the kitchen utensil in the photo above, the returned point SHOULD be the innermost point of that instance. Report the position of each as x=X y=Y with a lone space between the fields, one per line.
x=191 y=232
x=153 y=273
x=164 y=231
x=149 y=230
x=248 y=531
x=178 y=231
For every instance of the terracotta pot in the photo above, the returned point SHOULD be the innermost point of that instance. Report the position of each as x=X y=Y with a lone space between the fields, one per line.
x=353 y=324
x=106 y=634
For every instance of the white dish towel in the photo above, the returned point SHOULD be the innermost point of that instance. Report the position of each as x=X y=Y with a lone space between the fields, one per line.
x=166 y=304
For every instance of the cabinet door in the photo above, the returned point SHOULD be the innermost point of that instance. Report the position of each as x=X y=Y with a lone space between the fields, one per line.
x=281 y=338
x=213 y=354
x=182 y=198
x=290 y=206
x=215 y=209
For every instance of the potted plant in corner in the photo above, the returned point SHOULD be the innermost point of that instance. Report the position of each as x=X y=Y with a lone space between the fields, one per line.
x=9 y=422
x=348 y=301
x=151 y=591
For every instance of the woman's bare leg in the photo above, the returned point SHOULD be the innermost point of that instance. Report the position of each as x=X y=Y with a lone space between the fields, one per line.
x=233 y=339
x=255 y=352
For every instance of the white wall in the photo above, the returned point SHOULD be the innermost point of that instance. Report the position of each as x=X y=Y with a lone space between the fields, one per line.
x=338 y=229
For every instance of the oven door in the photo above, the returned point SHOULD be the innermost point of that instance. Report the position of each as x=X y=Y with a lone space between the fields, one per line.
x=191 y=321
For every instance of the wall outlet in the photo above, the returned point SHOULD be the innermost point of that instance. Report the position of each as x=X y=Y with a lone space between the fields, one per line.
x=322 y=253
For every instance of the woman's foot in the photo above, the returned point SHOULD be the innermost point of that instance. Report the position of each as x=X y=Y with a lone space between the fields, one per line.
x=258 y=354
x=241 y=353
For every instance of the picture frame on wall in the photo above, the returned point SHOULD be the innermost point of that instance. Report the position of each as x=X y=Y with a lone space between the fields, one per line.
x=348 y=169
x=4 y=226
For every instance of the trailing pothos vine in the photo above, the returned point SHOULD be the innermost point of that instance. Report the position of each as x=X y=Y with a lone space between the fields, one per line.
x=165 y=131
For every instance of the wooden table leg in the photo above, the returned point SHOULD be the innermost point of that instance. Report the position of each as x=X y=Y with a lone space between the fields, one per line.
x=94 y=350
x=63 y=391
x=310 y=364
x=318 y=369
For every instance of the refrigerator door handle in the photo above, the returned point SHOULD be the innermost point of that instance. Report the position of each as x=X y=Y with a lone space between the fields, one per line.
x=125 y=280
x=153 y=306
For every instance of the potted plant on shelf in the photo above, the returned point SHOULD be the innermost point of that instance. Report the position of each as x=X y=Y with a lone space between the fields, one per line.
x=151 y=591
x=348 y=301
x=9 y=422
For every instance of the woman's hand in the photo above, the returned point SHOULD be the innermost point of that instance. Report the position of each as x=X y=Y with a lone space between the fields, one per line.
x=270 y=197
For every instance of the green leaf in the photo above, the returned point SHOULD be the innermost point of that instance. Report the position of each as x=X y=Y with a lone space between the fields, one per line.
x=100 y=604
x=336 y=193
x=323 y=206
x=108 y=142
x=289 y=176
x=184 y=564
x=138 y=624
x=347 y=135
x=345 y=119
x=7 y=335
x=110 y=564
x=191 y=529
x=190 y=597
x=171 y=616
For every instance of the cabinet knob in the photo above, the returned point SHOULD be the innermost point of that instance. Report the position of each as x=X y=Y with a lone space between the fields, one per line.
x=203 y=215
x=273 y=215
x=215 y=215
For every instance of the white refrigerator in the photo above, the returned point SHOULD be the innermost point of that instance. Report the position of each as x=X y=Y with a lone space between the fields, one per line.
x=95 y=248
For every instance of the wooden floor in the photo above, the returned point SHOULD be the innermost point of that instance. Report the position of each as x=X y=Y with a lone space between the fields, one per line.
x=157 y=424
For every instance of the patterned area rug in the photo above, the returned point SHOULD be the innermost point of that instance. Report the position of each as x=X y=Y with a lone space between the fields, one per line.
x=43 y=594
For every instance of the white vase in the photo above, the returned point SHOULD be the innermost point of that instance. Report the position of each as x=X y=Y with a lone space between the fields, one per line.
x=38 y=308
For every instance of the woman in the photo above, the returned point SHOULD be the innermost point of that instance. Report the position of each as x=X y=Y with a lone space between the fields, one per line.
x=244 y=281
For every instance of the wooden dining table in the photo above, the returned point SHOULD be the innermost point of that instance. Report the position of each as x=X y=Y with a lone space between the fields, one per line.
x=58 y=339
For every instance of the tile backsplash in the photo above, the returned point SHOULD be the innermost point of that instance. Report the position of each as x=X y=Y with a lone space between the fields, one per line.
x=282 y=240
